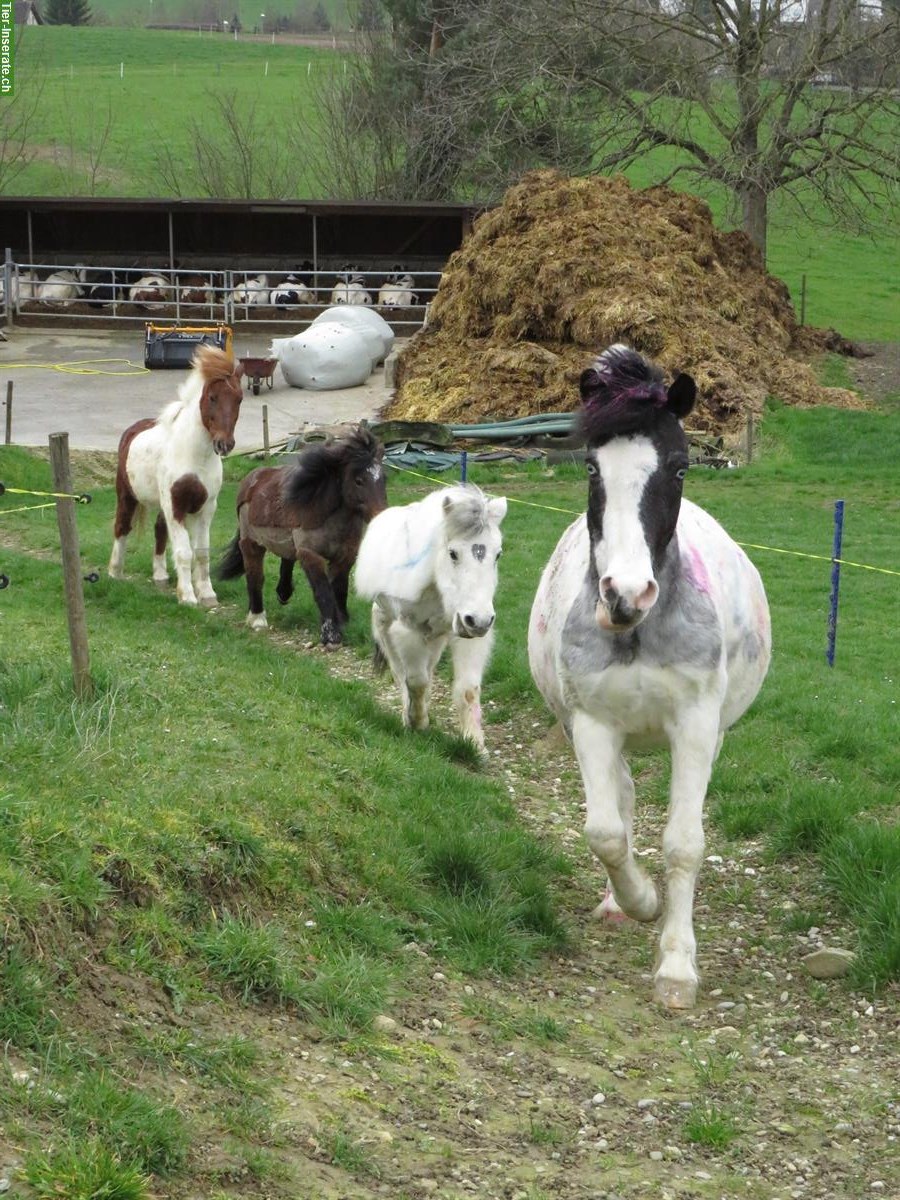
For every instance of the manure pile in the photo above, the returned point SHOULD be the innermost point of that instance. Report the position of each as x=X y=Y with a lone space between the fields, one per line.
x=566 y=266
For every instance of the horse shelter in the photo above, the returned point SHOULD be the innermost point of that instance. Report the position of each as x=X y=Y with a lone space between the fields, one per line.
x=218 y=260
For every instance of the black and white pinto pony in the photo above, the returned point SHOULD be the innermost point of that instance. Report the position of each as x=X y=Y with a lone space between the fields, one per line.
x=173 y=463
x=430 y=570
x=650 y=625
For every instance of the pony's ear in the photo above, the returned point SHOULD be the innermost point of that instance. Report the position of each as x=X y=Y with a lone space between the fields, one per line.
x=590 y=385
x=448 y=503
x=497 y=509
x=681 y=396
x=239 y=370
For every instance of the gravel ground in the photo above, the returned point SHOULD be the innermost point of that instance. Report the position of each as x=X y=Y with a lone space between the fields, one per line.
x=568 y=1083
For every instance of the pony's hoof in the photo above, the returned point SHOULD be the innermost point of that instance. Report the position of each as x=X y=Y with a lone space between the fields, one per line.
x=331 y=635
x=257 y=621
x=608 y=911
x=189 y=601
x=161 y=581
x=209 y=602
x=675 y=994
x=115 y=574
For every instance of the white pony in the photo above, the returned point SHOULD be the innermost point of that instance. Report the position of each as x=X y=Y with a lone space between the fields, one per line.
x=430 y=570
x=650 y=625
x=174 y=464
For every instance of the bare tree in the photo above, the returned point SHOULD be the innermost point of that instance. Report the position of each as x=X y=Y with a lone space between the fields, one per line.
x=452 y=98
x=20 y=113
x=730 y=86
x=96 y=126
x=236 y=154
x=428 y=107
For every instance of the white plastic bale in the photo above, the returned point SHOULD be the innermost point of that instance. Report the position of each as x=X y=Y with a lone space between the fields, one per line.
x=324 y=357
x=374 y=328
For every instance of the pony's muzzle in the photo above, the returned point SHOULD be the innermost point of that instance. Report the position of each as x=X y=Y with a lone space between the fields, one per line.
x=621 y=608
x=471 y=625
x=223 y=446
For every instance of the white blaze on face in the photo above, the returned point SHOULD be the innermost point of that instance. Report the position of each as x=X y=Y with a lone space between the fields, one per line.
x=622 y=556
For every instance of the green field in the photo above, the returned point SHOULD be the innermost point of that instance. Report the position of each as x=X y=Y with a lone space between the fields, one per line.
x=171 y=78
x=138 y=13
x=233 y=853
x=149 y=85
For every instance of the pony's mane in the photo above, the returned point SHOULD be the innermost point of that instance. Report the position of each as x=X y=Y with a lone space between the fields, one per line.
x=469 y=514
x=319 y=467
x=212 y=364
x=621 y=393
x=208 y=365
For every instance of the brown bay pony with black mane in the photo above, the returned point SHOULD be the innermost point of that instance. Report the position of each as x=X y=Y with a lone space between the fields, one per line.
x=314 y=513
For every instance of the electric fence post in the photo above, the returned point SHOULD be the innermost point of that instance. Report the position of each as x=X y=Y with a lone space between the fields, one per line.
x=71 y=563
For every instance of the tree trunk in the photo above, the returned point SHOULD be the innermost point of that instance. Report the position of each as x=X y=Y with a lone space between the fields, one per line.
x=755 y=214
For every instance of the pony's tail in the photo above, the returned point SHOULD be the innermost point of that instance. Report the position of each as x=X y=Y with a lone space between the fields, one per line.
x=231 y=564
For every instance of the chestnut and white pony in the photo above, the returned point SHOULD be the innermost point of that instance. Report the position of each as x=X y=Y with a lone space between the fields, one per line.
x=430 y=570
x=650 y=625
x=174 y=463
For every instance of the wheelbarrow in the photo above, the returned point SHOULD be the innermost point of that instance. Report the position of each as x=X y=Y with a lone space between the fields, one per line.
x=257 y=370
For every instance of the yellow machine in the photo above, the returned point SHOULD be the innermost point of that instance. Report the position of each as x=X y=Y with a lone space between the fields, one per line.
x=174 y=345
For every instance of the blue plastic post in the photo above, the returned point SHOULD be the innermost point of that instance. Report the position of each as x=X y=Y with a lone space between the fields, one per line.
x=835 y=579
x=463 y=465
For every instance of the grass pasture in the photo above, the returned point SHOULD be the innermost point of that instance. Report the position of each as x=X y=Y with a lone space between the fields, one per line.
x=137 y=13
x=168 y=78
x=218 y=872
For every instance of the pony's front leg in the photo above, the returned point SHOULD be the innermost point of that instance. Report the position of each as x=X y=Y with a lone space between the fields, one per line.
x=470 y=657
x=183 y=557
x=126 y=507
x=419 y=658
x=409 y=657
x=695 y=743
x=599 y=752
x=315 y=568
x=160 y=540
x=340 y=585
x=608 y=909
x=200 y=570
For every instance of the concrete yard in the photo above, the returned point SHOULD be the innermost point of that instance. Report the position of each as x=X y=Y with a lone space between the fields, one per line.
x=94 y=408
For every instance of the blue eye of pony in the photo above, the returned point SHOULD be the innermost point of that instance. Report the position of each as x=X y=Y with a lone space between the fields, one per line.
x=680 y=474
x=591 y=468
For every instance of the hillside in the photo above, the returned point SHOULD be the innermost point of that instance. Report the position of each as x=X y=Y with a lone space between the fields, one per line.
x=261 y=943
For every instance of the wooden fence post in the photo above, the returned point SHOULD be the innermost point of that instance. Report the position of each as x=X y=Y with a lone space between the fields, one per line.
x=265 y=417
x=9 y=391
x=71 y=562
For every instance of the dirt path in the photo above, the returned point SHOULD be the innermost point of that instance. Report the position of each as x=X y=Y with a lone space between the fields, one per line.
x=878 y=374
x=569 y=1084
